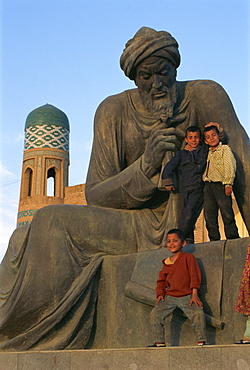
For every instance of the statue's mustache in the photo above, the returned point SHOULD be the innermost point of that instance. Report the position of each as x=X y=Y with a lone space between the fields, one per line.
x=160 y=106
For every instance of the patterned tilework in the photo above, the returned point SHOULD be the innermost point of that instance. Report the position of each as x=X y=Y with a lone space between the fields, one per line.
x=46 y=136
x=29 y=212
x=23 y=223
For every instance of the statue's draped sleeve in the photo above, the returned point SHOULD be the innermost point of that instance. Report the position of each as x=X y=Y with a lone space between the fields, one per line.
x=111 y=181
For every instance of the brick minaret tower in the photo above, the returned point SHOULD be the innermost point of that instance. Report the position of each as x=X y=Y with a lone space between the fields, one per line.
x=46 y=158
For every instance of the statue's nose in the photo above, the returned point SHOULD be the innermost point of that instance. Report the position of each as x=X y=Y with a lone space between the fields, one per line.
x=157 y=82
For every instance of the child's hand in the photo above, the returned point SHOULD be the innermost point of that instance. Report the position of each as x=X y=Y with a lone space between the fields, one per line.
x=169 y=188
x=228 y=190
x=159 y=298
x=188 y=147
x=196 y=300
x=213 y=124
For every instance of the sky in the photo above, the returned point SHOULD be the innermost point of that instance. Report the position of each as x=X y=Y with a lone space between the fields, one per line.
x=66 y=53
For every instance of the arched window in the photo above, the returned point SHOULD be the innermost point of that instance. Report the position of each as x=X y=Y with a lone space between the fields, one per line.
x=28 y=176
x=51 y=182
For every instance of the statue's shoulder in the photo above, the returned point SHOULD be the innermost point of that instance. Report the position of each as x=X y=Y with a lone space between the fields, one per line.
x=201 y=89
x=112 y=109
x=199 y=85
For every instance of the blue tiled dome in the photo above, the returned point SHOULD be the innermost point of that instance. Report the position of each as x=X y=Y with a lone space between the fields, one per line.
x=47 y=115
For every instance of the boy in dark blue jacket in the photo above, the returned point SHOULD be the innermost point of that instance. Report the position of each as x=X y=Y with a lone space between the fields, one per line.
x=190 y=164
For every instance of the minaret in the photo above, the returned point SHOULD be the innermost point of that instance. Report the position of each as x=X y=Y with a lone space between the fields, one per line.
x=45 y=161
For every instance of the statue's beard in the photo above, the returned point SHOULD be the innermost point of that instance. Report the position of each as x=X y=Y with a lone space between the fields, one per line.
x=161 y=108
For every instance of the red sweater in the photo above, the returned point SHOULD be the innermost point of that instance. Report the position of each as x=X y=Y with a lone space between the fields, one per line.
x=179 y=278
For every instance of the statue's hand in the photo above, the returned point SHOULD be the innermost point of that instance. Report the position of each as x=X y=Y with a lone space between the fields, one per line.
x=160 y=141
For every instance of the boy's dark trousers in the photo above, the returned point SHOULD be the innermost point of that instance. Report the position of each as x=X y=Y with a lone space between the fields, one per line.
x=215 y=199
x=191 y=203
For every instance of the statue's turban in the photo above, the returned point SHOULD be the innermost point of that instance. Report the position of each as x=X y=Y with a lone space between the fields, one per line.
x=146 y=42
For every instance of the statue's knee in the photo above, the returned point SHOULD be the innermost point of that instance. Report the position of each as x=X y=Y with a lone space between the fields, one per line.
x=46 y=213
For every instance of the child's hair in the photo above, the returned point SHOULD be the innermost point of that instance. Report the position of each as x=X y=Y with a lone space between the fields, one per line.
x=209 y=128
x=193 y=129
x=177 y=232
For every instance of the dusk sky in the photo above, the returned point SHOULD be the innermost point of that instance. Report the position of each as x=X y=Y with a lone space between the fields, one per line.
x=66 y=53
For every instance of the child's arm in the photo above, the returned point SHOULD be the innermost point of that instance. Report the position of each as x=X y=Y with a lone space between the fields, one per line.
x=229 y=163
x=168 y=172
x=160 y=287
x=195 y=299
x=195 y=281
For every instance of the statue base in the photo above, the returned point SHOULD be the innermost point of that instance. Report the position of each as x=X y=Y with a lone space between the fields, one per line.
x=192 y=357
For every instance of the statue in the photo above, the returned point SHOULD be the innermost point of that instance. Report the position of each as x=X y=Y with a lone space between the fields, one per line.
x=49 y=275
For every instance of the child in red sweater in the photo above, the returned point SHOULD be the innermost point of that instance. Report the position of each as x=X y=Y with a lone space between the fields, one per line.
x=177 y=286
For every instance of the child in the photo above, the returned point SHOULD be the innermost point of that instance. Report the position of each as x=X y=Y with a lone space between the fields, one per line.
x=177 y=286
x=242 y=304
x=219 y=177
x=190 y=163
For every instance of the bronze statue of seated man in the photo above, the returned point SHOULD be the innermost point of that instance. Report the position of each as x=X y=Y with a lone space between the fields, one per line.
x=49 y=275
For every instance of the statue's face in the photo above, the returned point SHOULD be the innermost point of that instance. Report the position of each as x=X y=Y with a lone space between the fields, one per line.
x=156 y=80
x=155 y=76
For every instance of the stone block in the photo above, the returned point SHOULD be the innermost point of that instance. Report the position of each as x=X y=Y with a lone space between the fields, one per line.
x=207 y=357
x=236 y=357
x=8 y=361
x=53 y=360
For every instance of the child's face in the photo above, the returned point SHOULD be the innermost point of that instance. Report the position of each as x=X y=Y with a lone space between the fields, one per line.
x=212 y=138
x=193 y=139
x=174 y=243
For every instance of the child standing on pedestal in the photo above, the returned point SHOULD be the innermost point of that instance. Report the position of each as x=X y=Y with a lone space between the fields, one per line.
x=219 y=177
x=190 y=164
x=177 y=286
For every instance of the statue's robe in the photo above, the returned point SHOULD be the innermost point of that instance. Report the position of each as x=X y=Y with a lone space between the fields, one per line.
x=49 y=275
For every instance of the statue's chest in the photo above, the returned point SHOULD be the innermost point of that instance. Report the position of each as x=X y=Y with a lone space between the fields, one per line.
x=134 y=140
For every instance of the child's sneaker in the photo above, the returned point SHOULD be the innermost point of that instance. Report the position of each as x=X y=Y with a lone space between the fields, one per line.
x=243 y=341
x=203 y=343
x=156 y=344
